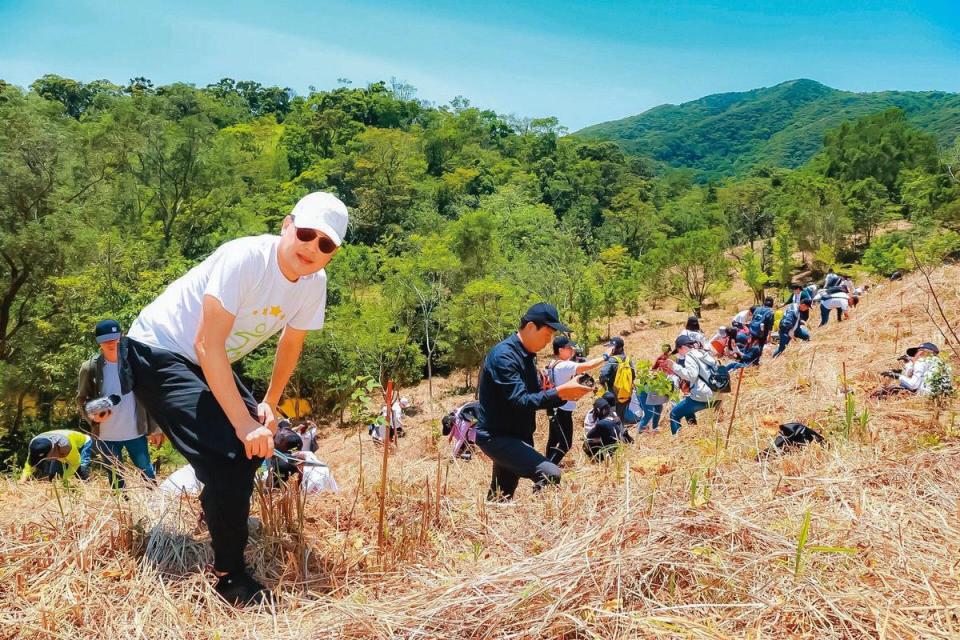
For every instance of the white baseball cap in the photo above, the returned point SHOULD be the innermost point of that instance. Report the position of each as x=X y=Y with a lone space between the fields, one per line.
x=324 y=212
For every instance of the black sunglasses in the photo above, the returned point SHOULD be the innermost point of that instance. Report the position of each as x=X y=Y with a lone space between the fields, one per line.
x=325 y=244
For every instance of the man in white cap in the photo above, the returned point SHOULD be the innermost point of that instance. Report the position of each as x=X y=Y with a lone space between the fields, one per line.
x=180 y=348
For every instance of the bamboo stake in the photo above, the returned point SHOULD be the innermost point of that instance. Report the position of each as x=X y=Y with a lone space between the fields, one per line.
x=437 y=515
x=383 y=470
x=733 y=412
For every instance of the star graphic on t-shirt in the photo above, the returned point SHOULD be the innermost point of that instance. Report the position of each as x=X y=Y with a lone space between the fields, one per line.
x=275 y=311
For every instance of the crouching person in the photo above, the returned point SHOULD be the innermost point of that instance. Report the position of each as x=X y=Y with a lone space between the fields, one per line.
x=693 y=371
x=510 y=396
x=53 y=452
x=606 y=434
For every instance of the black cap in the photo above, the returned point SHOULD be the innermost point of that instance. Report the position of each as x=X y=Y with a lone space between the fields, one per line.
x=683 y=341
x=600 y=404
x=929 y=346
x=40 y=449
x=610 y=398
x=107 y=330
x=287 y=440
x=796 y=285
x=560 y=342
x=615 y=341
x=547 y=314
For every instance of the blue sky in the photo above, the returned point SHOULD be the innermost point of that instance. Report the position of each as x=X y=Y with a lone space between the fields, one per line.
x=582 y=62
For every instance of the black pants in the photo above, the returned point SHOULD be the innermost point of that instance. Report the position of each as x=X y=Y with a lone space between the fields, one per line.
x=621 y=410
x=560 y=438
x=513 y=459
x=177 y=396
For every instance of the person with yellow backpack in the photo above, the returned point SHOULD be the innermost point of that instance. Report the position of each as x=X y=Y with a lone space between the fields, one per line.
x=617 y=376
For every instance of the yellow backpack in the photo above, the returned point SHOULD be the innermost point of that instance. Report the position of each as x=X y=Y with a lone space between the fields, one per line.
x=623 y=380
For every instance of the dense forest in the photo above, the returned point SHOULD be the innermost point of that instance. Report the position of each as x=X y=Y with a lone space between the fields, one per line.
x=460 y=217
x=781 y=126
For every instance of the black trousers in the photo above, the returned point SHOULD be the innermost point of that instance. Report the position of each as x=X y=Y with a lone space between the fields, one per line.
x=515 y=458
x=560 y=438
x=177 y=396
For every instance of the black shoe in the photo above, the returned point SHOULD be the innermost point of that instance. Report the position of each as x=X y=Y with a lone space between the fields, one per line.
x=240 y=589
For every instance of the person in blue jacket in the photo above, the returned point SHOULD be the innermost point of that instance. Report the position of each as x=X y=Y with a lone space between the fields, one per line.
x=791 y=325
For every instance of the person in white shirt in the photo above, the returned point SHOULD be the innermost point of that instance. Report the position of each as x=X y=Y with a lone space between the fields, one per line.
x=180 y=350
x=125 y=426
x=921 y=368
x=560 y=370
x=743 y=318
x=396 y=420
x=830 y=301
x=693 y=370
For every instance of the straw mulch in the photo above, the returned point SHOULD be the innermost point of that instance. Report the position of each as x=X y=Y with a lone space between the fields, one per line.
x=686 y=537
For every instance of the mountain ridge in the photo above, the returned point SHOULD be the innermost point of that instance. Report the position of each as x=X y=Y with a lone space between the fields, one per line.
x=783 y=125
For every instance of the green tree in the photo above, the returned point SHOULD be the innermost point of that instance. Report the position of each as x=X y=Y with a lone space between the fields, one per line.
x=783 y=247
x=878 y=146
x=753 y=275
x=382 y=174
x=485 y=312
x=867 y=201
x=694 y=266
x=745 y=203
x=421 y=278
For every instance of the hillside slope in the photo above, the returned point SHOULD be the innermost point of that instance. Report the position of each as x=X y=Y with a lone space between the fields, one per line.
x=679 y=538
x=728 y=133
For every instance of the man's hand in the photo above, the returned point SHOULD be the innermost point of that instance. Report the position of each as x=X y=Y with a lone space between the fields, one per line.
x=267 y=417
x=102 y=416
x=572 y=390
x=156 y=439
x=257 y=439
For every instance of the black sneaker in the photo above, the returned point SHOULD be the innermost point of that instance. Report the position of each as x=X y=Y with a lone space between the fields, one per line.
x=240 y=589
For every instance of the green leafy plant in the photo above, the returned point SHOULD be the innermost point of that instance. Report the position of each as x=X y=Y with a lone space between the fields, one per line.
x=648 y=381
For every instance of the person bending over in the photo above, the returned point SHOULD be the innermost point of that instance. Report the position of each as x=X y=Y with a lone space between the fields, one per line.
x=181 y=347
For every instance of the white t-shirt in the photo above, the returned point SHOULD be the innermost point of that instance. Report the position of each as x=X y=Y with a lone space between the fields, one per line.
x=836 y=301
x=245 y=277
x=742 y=318
x=563 y=371
x=122 y=423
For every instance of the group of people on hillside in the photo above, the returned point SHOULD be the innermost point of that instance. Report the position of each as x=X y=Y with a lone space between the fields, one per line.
x=171 y=374
x=511 y=390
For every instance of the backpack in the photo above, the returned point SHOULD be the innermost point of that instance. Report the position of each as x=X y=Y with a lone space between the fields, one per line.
x=548 y=379
x=717 y=378
x=792 y=435
x=460 y=427
x=623 y=380
x=758 y=323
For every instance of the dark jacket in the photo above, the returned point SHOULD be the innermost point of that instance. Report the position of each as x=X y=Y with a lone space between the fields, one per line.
x=90 y=387
x=750 y=355
x=791 y=319
x=762 y=323
x=510 y=393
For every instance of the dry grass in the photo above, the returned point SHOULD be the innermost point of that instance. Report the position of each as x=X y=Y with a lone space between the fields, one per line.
x=676 y=538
